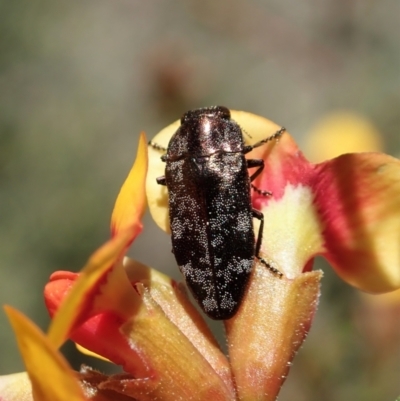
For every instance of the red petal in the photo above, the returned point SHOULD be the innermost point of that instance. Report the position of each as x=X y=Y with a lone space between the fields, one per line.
x=101 y=333
x=358 y=197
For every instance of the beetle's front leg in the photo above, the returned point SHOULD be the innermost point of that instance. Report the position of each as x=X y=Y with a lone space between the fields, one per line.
x=161 y=180
x=260 y=164
x=258 y=215
x=255 y=163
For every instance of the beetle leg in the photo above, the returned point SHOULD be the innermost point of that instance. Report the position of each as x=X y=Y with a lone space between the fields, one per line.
x=261 y=191
x=260 y=164
x=255 y=163
x=277 y=135
x=258 y=215
x=161 y=180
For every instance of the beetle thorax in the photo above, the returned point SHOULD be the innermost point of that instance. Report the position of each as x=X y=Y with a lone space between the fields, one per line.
x=205 y=135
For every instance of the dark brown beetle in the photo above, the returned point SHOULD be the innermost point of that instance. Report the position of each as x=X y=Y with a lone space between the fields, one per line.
x=210 y=209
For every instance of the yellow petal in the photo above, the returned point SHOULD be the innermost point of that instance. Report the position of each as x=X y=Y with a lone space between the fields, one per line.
x=130 y=204
x=78 y=302
x=52 y=378
x=339 y=133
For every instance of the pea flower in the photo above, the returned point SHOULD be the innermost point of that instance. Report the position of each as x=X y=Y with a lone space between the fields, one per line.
x=345 y=209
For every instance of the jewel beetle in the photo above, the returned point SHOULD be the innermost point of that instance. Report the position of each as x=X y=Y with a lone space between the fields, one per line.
x=210 y=210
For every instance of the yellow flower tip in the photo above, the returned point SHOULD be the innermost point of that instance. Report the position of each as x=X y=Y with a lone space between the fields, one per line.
x=339 y=133
x=130 y=204
x=87 y=352
x=51 y=377
x=16 y=387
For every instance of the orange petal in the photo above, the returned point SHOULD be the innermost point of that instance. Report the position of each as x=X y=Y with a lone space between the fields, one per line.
x=358 y=196
x=78 y=305
x=52 y=378
x=130 y=204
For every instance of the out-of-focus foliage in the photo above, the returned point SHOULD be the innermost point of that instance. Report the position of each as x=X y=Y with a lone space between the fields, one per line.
x=79 y=80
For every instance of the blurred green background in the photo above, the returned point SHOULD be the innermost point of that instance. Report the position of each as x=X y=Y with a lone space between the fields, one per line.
x=79 y=80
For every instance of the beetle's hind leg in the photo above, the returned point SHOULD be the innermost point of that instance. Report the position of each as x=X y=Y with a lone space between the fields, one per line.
x=258 y=215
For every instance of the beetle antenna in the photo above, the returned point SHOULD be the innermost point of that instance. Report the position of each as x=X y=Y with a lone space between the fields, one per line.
x=157 y=146
x=246 y=133
x=277 y=135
